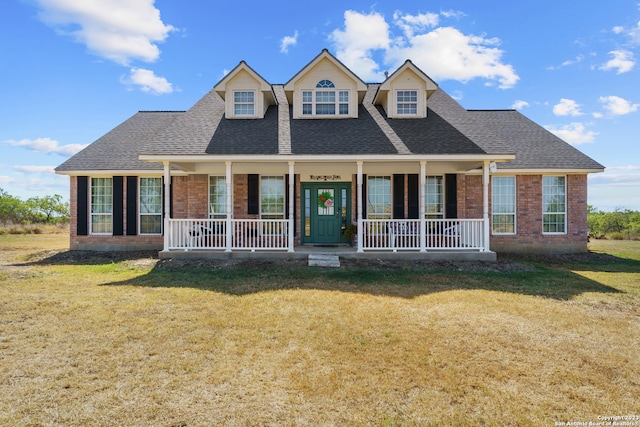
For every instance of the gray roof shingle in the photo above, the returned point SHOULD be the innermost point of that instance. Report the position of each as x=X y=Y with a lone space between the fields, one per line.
x=251 y=136
x=535 y=147
x=340 y=136
x=119 y=149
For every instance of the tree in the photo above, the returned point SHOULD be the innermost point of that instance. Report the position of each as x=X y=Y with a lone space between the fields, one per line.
x=49 y=209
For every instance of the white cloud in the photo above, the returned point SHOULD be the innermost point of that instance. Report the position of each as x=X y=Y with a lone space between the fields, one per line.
x=412 y=23
x=362 y=34
x=6 y=179
x=442 y=52
x=617 y=106
x=288 y=41
x=519 y=104
x=118 y=30
x=567 y=107
x=35 y=169
x=148 y=82
x=452 y=14
x=47 y=145
x=622 y=61
x=618 y=29
x=573 y=133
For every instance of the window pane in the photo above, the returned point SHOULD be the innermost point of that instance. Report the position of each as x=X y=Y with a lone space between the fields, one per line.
x=101 y=205
x=434 y=197
x=326 y=96
x=306 y=109
x=379 y=197
x=150 y=224
x=503 y=204
x=325 y=83
x=344 y=96
x=150 y=195
x=243 y=96
x=217 y=197
x=325 y=109
x=272 y=196
x=553 y=204
x=306 y=96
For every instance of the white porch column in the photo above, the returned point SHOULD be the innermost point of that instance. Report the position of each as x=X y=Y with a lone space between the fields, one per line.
x=229 y=225
x=292 y=195
x=423 y=222
x=359 y=204
x=167 y=204
x=485 y=204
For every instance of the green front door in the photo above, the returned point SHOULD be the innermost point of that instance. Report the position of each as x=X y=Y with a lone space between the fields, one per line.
x=326 y=211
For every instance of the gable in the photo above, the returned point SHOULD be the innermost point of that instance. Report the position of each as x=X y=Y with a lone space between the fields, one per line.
x=245 y=93
x=404 y=93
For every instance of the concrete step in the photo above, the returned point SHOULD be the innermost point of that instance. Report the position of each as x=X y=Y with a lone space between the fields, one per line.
x=323 y=260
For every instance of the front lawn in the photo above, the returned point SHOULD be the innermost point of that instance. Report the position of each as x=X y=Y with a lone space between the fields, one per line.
x=114 y=340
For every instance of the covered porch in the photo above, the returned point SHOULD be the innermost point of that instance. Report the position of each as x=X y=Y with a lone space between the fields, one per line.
x=293 y=232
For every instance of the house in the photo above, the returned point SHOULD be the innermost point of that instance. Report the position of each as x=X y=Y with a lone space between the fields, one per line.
x=255 y=166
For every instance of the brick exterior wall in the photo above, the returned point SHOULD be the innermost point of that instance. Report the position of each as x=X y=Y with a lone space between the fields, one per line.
x=191 y=195
x=106 y=243
x=529 y=236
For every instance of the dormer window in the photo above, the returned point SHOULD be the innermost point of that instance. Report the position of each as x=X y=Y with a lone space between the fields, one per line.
x=243 y=103
x=407 y=102
x=325 y=100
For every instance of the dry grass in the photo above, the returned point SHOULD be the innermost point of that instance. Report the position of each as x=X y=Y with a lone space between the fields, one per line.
x=124 y=343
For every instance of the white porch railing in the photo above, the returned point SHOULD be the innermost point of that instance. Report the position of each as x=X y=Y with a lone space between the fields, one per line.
x=404 y=234
x=247 y=234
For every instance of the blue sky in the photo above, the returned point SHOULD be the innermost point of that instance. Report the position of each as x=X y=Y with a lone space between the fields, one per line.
x=71 y=70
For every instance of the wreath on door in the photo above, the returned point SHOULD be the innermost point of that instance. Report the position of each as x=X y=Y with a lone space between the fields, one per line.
x=325 y=200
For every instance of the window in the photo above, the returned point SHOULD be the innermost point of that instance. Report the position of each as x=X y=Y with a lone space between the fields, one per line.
x=503 y=204
x=379 y=197
x=217 y=197
x=150 y=205
x=272 y=197
x=101 y=206
x=434 y=197
x=407 y=102
x=554 y=207
x=243 y=103
x=325 y=101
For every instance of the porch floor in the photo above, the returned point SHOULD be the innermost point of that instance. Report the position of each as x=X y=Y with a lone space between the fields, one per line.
x=345 y=252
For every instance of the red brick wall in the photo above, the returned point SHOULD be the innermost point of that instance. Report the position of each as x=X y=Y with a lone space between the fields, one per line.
x=106 y=243
x=529 y=236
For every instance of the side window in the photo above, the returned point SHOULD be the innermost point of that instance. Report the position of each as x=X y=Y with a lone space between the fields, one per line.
x=434 y=197
x=503 y=205
x=272 y=197
x=150 y=205
x=407 y=102
x=101 y=205
x=217 y=197
x=379 y=197
x=243 y=103
x=554 y=205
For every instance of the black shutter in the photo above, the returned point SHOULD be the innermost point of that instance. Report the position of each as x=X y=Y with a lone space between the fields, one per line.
x=253 y=194
x=365 y=205
x=398 y=196
x=132 y=205
x=413 y=196
x=286 y=195
x=451 y=196
x=118 y=205
x=82 y=221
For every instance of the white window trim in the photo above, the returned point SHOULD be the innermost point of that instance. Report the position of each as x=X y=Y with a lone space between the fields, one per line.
x=556 y=233
x=515 y=206
x=441 y=214
x=220 y=214
x=284 y=191
x=91 y=213
x=141 y=214
x=234 y=103
x=337 y=102
x=396 y=103
x=380 y=215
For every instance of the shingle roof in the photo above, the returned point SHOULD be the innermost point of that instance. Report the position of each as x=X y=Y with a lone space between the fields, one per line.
x=448 y=129
x=119 y=149
x=251 y=136
x=535 y=147
x=339 y=136
x=190 y=133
